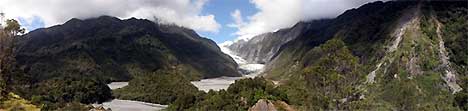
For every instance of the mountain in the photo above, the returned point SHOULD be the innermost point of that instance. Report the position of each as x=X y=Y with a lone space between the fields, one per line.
x=395 y=55
x=117 y=50
x=363 y=29
x=261 y=49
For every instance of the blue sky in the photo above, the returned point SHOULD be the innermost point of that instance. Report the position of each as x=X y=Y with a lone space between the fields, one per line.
x=214 y=19
x=31 y=23
x=222 y=10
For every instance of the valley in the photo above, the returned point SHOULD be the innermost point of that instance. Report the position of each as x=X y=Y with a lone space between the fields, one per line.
x=128 y=105
x=248 y=70
x=381 y=55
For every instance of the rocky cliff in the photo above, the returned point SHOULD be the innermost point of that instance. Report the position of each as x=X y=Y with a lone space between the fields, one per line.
x=261 y=49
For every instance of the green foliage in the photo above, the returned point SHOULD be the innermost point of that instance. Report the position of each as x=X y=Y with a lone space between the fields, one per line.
x=255 y=89
x=454 y=19
x=8 y=40
x=241 y=95
x=423 y=93
x=454 y=16
x=160 y=87
x=75 y=106
x=461 y=98
x=112 y=49
x=13 y=102
x=58 y=92
x=13 y=27
x=364 y=30
x=334 y=76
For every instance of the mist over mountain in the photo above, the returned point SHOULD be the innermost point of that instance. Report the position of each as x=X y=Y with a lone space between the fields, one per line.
x=374 y=55
x=117 y=49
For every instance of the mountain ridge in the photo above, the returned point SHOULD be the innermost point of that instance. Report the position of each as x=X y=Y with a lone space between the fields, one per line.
x=93 y=39
x=404 y=61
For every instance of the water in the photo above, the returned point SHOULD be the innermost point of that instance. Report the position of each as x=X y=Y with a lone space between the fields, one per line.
x=249 y=71
x=117 y=85
x=129 y=105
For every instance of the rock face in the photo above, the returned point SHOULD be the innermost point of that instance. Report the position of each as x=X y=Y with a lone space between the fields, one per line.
x=261 y=49
x=363 y=29
x=263 y=105
x=267 y=105
x=117 y=49
x=401 y=45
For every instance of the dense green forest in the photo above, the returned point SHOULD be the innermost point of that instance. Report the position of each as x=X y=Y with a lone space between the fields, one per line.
x=241 y=96
x=328 y=83
x=70 y=64
x=172 y=88
x=160 y=87
x=9 y=34
x=57 y=92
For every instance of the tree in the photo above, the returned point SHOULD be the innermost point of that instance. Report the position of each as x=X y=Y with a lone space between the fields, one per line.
x=330 y=81
x=8 y=40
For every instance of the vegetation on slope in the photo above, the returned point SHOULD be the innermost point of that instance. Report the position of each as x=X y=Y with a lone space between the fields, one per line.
x=67 y=66
x=59 y=92
x=161 y=87
x=12 y=102
x=241 y=95
x=364 y=30
x=170 y=87
x=328 y=83
x=453 y=17
x=115 y=50
x=8 y=37
x=410 y=78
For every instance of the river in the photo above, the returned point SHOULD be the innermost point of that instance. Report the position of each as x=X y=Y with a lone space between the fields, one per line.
x=128 y=105
x=216 y=84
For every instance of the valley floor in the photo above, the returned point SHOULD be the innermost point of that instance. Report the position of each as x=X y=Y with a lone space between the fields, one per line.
x=248 y=69
x=128 y=105
x=216 y=84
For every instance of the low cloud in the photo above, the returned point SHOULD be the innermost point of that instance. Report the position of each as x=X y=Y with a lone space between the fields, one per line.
x=278 y=14
x=185 y=13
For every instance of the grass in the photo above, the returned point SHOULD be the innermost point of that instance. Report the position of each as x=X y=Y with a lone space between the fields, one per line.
x=16 y=103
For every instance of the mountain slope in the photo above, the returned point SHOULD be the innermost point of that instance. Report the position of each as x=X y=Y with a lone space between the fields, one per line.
x=261 y=49
x=403 y=55
x=364 y=29
x=119 y=49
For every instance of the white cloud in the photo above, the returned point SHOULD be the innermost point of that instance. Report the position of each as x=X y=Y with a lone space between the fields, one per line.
x=185 y=13
x=238 y=20
x=277 y=14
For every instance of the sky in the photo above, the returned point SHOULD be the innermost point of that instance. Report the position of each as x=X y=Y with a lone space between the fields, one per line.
x=219 y=20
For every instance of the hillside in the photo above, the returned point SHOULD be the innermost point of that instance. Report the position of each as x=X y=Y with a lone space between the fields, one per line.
x=119 y=49
x=69 y=65
x=396 y=55
x=261 y=49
